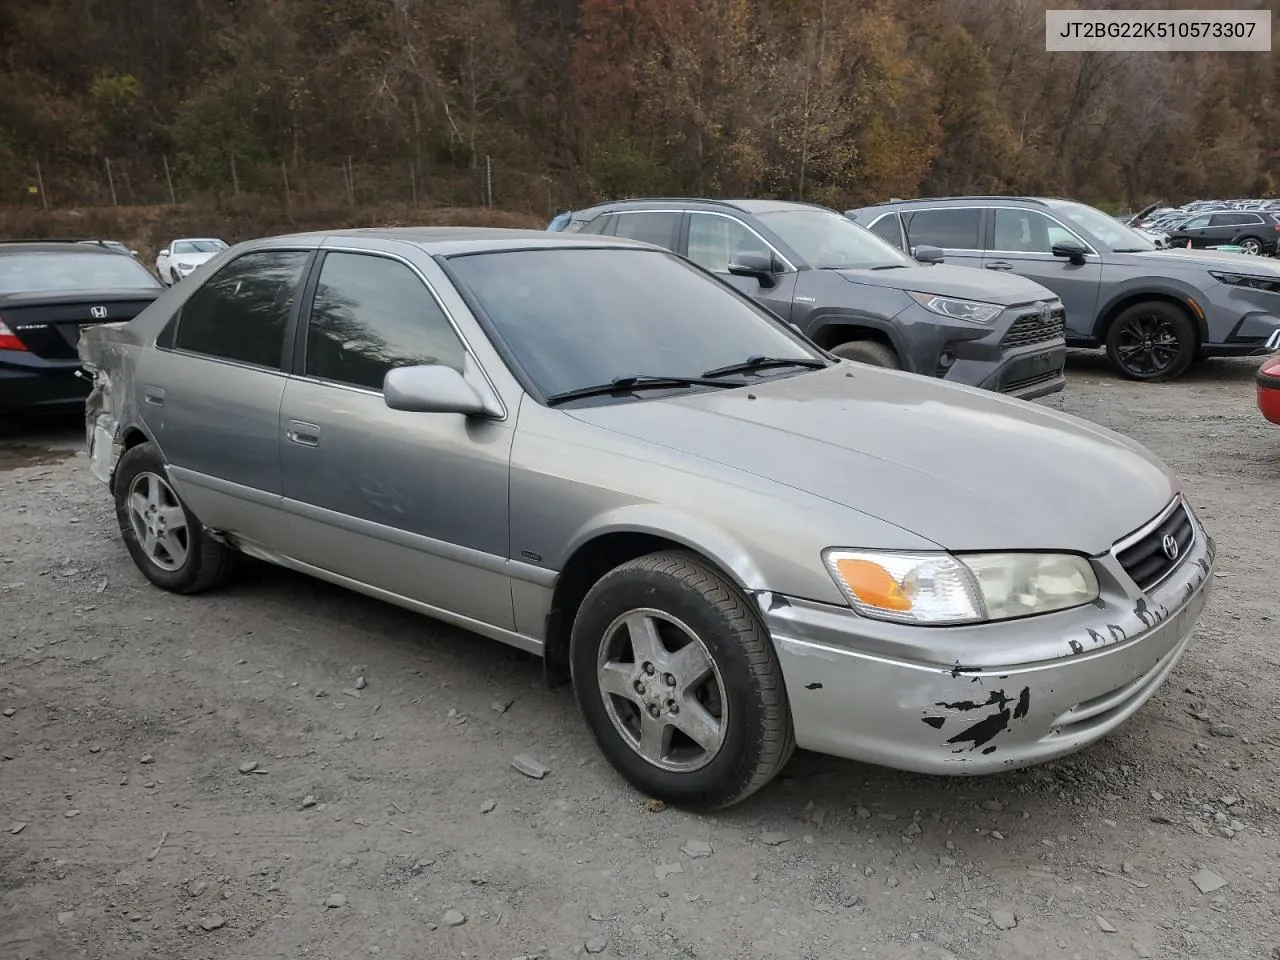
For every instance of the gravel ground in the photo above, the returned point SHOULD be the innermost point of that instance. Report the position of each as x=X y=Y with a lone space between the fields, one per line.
x=383 y=816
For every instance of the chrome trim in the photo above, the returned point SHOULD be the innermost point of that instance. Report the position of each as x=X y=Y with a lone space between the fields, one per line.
x=1273 y=341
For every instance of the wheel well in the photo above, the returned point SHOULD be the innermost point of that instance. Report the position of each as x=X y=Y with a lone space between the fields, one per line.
x=132 y=437
x=832 y=335
x=1105 y=322
x=589 y=563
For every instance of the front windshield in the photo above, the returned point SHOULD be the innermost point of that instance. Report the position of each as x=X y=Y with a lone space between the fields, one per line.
x=827 y=241
x=198 y=246
x=578 y=317
x=1107 y=231
x=49 y=272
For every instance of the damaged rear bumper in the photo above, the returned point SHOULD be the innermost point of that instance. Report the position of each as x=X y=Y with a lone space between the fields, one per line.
x=985 y=698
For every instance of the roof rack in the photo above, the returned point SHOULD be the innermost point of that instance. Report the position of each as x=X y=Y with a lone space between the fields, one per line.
x=96 y=240
x=972 y=197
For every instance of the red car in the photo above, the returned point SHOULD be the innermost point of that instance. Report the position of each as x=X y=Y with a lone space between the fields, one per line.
x=1268 y=380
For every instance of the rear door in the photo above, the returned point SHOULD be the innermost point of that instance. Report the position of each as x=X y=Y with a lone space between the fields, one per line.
x=957 y=230
x=211 y=391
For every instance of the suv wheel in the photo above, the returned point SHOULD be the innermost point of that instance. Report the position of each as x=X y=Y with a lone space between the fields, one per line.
x=1250 y=245
x=870 y=352
x=678 y=681
x=1152 y=341
x=165 y=540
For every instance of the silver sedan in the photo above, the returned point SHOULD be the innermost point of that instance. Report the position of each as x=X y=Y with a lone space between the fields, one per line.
x=731 y=542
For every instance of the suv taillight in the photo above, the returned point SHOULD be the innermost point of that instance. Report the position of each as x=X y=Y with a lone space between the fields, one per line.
x=9 y=340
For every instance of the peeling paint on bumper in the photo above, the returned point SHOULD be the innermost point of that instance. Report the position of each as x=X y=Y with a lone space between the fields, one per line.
x=986 y=698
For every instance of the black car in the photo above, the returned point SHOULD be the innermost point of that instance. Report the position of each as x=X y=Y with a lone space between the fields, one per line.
x=49 y=290
x=856 y=295
x=1254 y=231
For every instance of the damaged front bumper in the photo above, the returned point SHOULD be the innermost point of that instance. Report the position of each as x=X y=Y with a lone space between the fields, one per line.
x=990 y=697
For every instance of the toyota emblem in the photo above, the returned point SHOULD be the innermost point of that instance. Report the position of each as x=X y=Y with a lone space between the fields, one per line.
x=1170 y=546
x=98 y=313
x=1046 y=313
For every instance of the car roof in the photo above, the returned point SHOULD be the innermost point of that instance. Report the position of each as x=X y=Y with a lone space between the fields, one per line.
x=55 y=246
x=1039 y=201
x=743 y=205
x=450 y=241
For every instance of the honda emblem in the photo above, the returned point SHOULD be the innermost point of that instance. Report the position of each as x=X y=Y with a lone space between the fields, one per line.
x=1170 y=546
x=98 y=313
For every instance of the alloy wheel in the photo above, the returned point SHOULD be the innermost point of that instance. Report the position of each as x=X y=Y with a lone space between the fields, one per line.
x=159 y=522
x=662 y=690
x=1251 y=247
x=1148 y=345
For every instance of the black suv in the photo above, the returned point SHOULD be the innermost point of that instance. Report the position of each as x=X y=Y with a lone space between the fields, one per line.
x=1253 y=231
x=855 y=295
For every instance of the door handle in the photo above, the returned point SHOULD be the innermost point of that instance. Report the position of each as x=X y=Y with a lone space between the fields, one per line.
x=999 y=265
x=307 y=434
x=153 y=396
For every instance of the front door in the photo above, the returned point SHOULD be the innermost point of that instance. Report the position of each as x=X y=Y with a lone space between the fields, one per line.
x=211 y=392
x=411 y=503
x=715 y=239
x=1022 y=243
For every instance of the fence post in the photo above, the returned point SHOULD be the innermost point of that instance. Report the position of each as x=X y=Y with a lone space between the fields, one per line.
x=111 y=182
x=169 y=180
x=488 y=178
x=413 y=184
x=351 y=182
x=44 y=200
x=288 y=200
x=235 y=180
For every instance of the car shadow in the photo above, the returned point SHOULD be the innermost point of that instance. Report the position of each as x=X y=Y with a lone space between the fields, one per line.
x=1093 y=364
x=38 y=441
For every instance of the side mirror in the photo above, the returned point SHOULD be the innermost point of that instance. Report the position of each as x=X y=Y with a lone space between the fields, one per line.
x=928 y=254
x=754 y=264
x=133 y=253
x=1073 y=251
x=163 y=253
x=434 y=388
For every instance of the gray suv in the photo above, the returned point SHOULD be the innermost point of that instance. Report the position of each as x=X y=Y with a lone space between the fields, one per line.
x=855 y=295
x=1155 y=311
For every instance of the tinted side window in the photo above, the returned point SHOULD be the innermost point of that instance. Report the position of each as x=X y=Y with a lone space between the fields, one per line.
x=956 y=229
x=887 y=228
x=1195 y=223
x=659 y=228
x=596 y=225
x=371 y=314
x=241 y=312
x=714 y=240
x=1225 y=219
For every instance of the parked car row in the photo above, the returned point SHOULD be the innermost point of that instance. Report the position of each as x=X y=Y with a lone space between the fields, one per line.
x=730 y=540
x=1251 y=227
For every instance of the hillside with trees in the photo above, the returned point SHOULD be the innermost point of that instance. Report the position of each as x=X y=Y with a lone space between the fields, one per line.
x=539 y=104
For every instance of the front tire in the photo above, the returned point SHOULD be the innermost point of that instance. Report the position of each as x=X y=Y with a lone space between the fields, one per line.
x=870 y=352
x=678 y=682
x=1152 y=341
x=164 y=539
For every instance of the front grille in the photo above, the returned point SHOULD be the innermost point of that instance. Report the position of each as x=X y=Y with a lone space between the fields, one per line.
x=1030 y=328
x=1145 y=558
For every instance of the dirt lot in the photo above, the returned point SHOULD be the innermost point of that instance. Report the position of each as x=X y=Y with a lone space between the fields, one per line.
x=387 y=820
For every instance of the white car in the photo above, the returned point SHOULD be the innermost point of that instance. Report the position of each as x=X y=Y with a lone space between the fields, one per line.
x=181 y=257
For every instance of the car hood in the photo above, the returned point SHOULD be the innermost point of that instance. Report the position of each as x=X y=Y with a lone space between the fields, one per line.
x=964 y=468
x=1208 y=259
x=968 y=283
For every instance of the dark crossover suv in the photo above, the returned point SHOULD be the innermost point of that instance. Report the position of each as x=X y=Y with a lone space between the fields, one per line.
x=855 y=295
x=1253 y=231
x=49 y=292
x=1154 y=310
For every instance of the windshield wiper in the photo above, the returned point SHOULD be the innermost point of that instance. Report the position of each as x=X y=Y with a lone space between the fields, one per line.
x=751 y=364
x=1133 y=250
x=632 y=383
x=891 y=266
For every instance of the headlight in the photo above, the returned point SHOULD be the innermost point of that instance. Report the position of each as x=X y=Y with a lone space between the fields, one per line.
x=1271 y=284
x=186 y=266
x=939 y=589
x=974 y=311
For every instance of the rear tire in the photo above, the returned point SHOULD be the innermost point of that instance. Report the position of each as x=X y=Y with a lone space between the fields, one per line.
x=665 y=647
x=1152 y=341
x=871 y=352
x=1250 y=245
x=164 y=539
